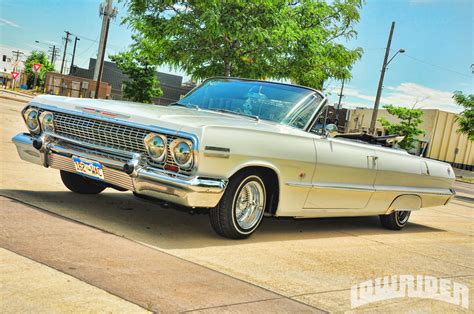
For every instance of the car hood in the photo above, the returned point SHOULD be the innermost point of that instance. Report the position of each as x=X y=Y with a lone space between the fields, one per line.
x=169 y=117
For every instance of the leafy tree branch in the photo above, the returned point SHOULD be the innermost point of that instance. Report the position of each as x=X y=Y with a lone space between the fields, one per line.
x=142 y=84
x=466 y=118
x=296 y=40
x=409 y=119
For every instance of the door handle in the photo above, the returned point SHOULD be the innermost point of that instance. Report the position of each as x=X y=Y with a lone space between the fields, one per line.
x=374 y=159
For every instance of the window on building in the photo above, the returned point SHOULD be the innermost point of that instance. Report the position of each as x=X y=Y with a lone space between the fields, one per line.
x=4 y=58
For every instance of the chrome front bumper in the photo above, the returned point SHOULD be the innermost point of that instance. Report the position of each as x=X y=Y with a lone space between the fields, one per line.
x=130 y=174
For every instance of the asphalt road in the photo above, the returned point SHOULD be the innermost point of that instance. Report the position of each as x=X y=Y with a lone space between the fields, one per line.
x=313 y=261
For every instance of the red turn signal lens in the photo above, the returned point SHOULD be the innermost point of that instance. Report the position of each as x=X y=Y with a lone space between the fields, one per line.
x=172 y=168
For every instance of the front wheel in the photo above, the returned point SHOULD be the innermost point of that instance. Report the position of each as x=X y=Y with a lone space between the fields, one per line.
x=240 y=211
x=80 y=184
x=396 y=220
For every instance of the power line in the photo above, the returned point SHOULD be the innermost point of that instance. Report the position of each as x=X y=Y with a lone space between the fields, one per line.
x=97 y=41
x=437 y=66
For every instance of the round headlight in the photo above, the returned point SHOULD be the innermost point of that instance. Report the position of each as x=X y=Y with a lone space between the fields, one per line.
x=46 y=119
x=182 y=153
x=156 y=146
x=31 y=120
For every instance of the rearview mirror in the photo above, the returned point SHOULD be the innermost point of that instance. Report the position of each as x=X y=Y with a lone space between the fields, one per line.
x=330 y=130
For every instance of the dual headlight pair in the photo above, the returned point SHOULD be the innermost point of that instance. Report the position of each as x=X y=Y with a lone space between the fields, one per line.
x=156 y=144
x=180 y=149
x=36 y=122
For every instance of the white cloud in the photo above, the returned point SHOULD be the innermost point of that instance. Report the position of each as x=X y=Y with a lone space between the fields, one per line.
x=8 y=23
x=51 y=42
x=405 y=94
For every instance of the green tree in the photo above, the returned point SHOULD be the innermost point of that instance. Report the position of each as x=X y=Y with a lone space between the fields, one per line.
x=466 y=118
x=142 y=84
x=410 y=119
x=297 y=40
x=37 y=57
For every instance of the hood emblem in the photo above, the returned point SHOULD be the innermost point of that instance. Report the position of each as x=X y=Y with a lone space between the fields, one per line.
x=103 y=113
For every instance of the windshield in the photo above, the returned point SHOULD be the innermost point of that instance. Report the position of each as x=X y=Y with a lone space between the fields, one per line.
x=287 y=104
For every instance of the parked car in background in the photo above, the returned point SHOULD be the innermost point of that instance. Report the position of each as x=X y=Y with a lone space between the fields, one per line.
x=242 y=148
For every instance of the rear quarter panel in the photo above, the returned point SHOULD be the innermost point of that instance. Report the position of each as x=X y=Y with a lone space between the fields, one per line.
x=399 y=173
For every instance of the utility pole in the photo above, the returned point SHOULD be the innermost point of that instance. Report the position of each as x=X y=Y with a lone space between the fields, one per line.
x=336 y=111
x=73 y=54
x=382 y=75
x=16 y=56
x=108 y=12
x=65 y=49
x=340 y=95
x=54 y=52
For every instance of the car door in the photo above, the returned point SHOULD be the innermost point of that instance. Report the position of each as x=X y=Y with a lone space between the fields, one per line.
x=344 y=175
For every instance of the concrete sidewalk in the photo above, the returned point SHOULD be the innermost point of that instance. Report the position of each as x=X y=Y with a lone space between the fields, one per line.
x=30 y=287
x=152 y=279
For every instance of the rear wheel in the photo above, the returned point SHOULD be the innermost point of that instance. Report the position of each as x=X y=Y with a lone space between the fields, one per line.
x=396 y=220
x=80 y=184
x=240 y=211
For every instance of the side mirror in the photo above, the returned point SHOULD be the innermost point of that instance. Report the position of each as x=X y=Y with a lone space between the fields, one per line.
x=330 y=130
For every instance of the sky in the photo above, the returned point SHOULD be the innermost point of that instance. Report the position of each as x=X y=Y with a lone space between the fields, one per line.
x=438 y=36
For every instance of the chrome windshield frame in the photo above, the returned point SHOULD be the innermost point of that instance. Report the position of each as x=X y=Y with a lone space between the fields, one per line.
x=313 y=91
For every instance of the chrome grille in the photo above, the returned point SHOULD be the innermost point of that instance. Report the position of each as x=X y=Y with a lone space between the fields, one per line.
x=100 y=133
x=109 y=135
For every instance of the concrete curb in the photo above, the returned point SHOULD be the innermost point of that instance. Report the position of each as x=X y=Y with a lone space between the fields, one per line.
x=15 y=99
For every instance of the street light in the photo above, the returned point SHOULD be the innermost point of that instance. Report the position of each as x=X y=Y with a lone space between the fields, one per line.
x=401 y=50
x=53 y=50
x=382 y=75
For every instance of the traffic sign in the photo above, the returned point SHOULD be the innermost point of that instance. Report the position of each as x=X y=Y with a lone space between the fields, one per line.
x=36 y=67
x=15 y=75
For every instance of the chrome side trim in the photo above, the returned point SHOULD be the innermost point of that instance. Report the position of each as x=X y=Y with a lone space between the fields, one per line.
x=300 y=184
x=217 y=149
x=365 y=188
x=217 y=152
x=408 y=189
x=352 y=187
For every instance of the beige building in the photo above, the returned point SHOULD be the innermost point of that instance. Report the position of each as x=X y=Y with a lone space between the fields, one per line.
x=441 y=140
x=73 y=86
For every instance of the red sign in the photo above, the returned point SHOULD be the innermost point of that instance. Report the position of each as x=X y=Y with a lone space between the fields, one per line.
x=15 y=75
x=36 y=67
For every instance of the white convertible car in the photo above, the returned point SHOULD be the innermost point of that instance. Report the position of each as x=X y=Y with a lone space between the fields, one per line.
x=242 y=148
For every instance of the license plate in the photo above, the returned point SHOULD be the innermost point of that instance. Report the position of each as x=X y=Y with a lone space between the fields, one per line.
x=88 y=168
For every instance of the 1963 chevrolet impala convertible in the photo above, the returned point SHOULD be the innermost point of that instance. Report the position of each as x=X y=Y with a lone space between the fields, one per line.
x=242 y=148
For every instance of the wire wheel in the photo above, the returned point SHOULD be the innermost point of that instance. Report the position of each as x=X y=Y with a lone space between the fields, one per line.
x=402 y=216
x=249 y=203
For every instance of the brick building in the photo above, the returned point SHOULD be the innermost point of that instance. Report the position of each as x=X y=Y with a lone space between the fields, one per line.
x=74 y=86
x=171 y=85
